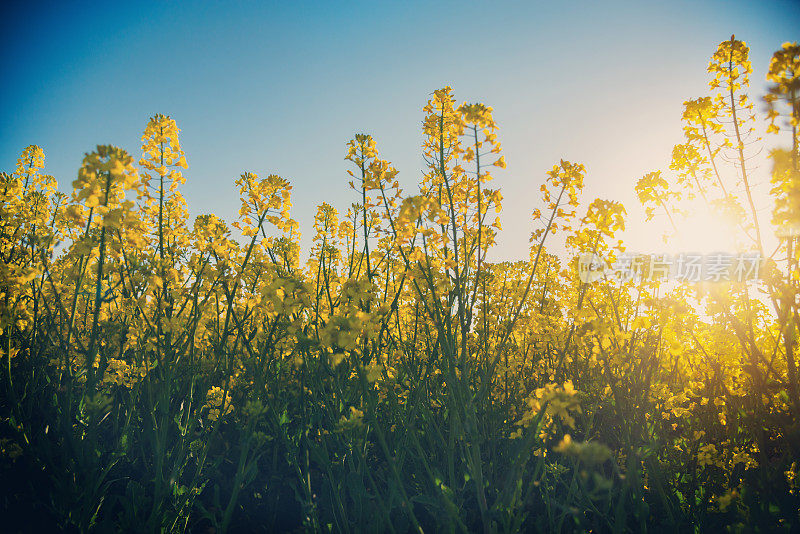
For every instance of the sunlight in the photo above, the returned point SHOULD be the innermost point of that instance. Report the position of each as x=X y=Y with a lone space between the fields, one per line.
x=703 y=232
x=700 y=231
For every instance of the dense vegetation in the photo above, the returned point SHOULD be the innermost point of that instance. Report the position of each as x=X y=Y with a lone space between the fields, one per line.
x=164 y=375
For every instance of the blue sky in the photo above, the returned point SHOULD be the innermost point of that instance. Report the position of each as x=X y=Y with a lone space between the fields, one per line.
x=281 y=87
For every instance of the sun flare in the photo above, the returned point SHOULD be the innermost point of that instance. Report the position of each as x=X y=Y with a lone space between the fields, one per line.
x=698 y=230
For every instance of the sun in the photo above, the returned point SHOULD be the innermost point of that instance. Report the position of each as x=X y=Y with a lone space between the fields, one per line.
x=697 y=231
x=703 y=232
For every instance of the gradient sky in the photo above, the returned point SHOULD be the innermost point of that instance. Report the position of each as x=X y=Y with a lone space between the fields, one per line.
x=281 y=87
